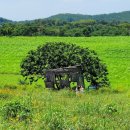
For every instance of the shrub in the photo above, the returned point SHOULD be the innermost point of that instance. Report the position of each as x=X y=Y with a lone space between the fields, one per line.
x=110 y=109
x=22 y=82
x=16 y=111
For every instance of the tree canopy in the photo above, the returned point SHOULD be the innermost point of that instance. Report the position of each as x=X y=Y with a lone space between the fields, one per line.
x=47 y=27
x=59 y=54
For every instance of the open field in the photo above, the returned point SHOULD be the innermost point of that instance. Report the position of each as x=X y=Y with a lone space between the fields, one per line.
x=106 y=109
x=64 y=109
x=114 y=51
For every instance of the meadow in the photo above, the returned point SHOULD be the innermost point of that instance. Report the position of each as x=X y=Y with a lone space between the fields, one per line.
x=106 y=109
x=113 y=51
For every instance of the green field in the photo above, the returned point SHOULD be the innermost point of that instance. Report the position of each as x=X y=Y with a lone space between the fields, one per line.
x=105 y=109
x=114 y=51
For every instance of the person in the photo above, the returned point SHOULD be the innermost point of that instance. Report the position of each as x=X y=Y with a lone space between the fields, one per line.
x=76 y=90
x=79 y=89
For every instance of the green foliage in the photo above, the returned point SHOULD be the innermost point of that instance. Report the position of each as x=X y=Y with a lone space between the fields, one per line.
x=84 y=28
x=57 y=55
x=9 y=86
x=4 y=96
x=54 y=119
x=16 y=111
x=115 y=24
x=111 y=109
x=59 y=110
x=114 y=51
x=122 y=16
x=2 y=20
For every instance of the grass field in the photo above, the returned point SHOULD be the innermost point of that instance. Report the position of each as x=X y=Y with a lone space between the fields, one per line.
x=64 y=110
x=106 y=109
x=114 y=51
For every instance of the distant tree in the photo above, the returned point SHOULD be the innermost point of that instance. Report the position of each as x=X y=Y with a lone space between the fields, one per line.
x=57 y=55
x=7 y=29
x=57 y=27
x=87 y=31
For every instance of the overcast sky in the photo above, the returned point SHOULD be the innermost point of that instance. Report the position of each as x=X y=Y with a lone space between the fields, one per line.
x=34 y=9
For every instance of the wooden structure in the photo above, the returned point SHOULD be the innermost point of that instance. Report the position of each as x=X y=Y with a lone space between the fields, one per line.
x=62 y=77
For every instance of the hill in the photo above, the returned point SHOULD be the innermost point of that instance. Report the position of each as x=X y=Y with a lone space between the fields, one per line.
x=122 y=16
x=3 y=20
x=75 y=25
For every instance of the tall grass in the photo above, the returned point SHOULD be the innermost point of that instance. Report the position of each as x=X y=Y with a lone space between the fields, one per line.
x=65 y=110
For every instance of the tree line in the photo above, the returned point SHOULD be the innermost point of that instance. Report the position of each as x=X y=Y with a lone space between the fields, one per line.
x=85 y=28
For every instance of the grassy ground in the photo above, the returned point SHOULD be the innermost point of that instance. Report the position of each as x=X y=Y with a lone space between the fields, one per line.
x=106 y=109
x=102 y=110
x=114 y=51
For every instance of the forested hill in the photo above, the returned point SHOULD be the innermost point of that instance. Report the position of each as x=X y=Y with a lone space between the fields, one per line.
x=2 y=20
x=122 y=16
x=70 y=25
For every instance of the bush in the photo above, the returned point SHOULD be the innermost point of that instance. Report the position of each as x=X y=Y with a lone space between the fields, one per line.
x=23 y=82
x=110 y=109
x=16 y=111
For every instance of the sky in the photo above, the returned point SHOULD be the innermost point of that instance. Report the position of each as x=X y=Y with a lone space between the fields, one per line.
x=19 y=10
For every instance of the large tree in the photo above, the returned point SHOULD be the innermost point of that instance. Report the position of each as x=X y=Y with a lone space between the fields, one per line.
x=57 y=55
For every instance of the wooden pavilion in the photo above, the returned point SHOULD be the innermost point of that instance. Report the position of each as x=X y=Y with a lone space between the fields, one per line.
x=62 y=77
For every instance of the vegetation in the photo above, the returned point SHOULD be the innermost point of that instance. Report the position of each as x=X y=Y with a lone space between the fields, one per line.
x=16 y=111
x=57 y=55
x=85 y=28
x=2 y=21
x=114 y=52
x=103 y=109
x=122 y=16
x=115 y=24
x=25 y=106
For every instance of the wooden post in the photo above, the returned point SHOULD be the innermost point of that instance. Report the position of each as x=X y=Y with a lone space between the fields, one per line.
x=81 y=81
